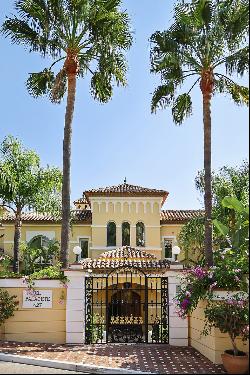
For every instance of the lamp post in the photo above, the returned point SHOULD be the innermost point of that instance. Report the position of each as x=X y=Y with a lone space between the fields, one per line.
x=176 y=251
x=77 y=251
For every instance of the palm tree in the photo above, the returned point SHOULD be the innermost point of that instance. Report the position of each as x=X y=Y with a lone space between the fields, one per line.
x=207 y=41
x=85 y=36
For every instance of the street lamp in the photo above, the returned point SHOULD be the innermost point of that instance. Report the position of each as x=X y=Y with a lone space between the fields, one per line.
x=176 y=251
x=77 y=251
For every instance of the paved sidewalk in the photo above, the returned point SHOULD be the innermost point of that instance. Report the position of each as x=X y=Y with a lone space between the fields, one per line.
x=157 y=359
x=15 y=368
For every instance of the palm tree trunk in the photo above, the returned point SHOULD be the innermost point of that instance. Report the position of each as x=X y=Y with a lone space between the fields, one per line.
x=208 y=179
x=17 y=237
x=64 y=256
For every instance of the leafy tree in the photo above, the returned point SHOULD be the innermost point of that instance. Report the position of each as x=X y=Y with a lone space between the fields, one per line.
x=191 y=241
x=237 y=236
x=37 y=257
x=85 y=36
x=25 y=185
x=207 y=41
x=228 y=181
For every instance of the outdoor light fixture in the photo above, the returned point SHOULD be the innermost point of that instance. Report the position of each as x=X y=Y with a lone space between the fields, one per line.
x=77 y=251
x=176 y=251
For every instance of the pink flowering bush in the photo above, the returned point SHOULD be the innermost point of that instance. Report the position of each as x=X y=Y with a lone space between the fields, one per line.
x=194 y=286
x=229 y=273
x=231 y=316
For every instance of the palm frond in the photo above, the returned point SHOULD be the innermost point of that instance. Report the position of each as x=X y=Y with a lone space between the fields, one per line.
x=41 y=83
x=238 y=62
x=101 y=87
x=163 y=96
x=203 y=13
x=182 y=108
x=239 y=94
x=21 y=33
x=234 y=16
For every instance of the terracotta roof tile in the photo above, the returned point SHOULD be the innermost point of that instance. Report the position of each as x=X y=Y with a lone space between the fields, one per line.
x=79 y=216
x=167 y=216
x=125 y=257
x=82 y=200
x=179 y=216
x=127 y=253
x=125 y=189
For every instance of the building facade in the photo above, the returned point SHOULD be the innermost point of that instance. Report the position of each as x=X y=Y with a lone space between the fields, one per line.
x=106 y=219
x=121 y=287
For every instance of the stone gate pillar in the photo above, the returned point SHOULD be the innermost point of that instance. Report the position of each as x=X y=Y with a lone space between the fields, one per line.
x=75 y=307
x=178 y=327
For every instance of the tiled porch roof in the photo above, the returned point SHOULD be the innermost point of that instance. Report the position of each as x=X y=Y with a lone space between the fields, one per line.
x=82 y=200
x=125 y=257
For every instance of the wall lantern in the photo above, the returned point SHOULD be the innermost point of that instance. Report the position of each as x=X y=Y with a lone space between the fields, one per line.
x=176 y=251
x=77 y=251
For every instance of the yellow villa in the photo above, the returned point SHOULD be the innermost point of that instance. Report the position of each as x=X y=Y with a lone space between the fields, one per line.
x=106 y=219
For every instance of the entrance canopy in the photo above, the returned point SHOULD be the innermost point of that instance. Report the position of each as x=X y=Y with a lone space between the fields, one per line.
x=126 y=257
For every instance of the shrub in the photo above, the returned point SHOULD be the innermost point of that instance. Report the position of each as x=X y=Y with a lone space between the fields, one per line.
x=231 y=316
x=8 y=305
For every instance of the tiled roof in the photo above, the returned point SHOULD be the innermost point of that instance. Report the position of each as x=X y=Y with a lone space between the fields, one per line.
x=127 y=253
x=125 y=257
x=167 y=216
x=82 y=200
x=126 y=190
x=179 y=216
x=79 y=216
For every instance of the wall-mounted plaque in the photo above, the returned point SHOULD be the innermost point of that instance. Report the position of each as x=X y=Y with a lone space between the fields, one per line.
x=37 y=299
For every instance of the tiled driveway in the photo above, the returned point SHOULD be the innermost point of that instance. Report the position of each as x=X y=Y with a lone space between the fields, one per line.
x=161 y=359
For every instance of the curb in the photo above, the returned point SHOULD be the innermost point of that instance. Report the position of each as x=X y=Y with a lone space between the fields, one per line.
x=70 y=366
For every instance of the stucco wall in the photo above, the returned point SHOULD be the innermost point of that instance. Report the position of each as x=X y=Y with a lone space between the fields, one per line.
x=211 y=346
x=36 y=325
x=133 y=211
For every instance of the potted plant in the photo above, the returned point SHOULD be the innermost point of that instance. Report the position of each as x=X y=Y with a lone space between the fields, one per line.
x=230 y=316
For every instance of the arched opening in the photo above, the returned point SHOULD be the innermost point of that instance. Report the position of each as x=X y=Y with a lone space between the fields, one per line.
x=125 y=234
x=126 y=306
x=111 y=234
x=140 y=234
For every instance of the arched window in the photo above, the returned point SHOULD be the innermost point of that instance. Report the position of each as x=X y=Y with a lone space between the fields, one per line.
x=42 y=251
x=38 y=242
x=125 y=234
x=111 y=234
x=140 y=234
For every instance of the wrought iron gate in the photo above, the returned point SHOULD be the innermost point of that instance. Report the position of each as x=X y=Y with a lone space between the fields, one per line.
x=126 y=307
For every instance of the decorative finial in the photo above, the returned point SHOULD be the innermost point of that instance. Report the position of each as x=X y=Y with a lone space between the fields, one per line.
x=125 y=180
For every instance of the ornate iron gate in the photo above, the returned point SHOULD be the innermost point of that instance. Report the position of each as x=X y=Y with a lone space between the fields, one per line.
x=126 y=307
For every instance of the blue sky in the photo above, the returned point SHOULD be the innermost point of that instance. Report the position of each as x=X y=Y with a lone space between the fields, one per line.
x=121 y=138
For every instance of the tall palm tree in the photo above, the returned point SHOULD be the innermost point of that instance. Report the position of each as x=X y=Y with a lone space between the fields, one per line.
x=84 y=36
x=207 y=41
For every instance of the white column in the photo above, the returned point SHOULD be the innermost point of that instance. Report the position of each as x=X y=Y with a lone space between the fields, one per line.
x=75 y=307
x=178 y=327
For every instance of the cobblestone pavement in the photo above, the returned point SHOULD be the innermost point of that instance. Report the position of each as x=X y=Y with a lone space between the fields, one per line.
x=161 y=359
